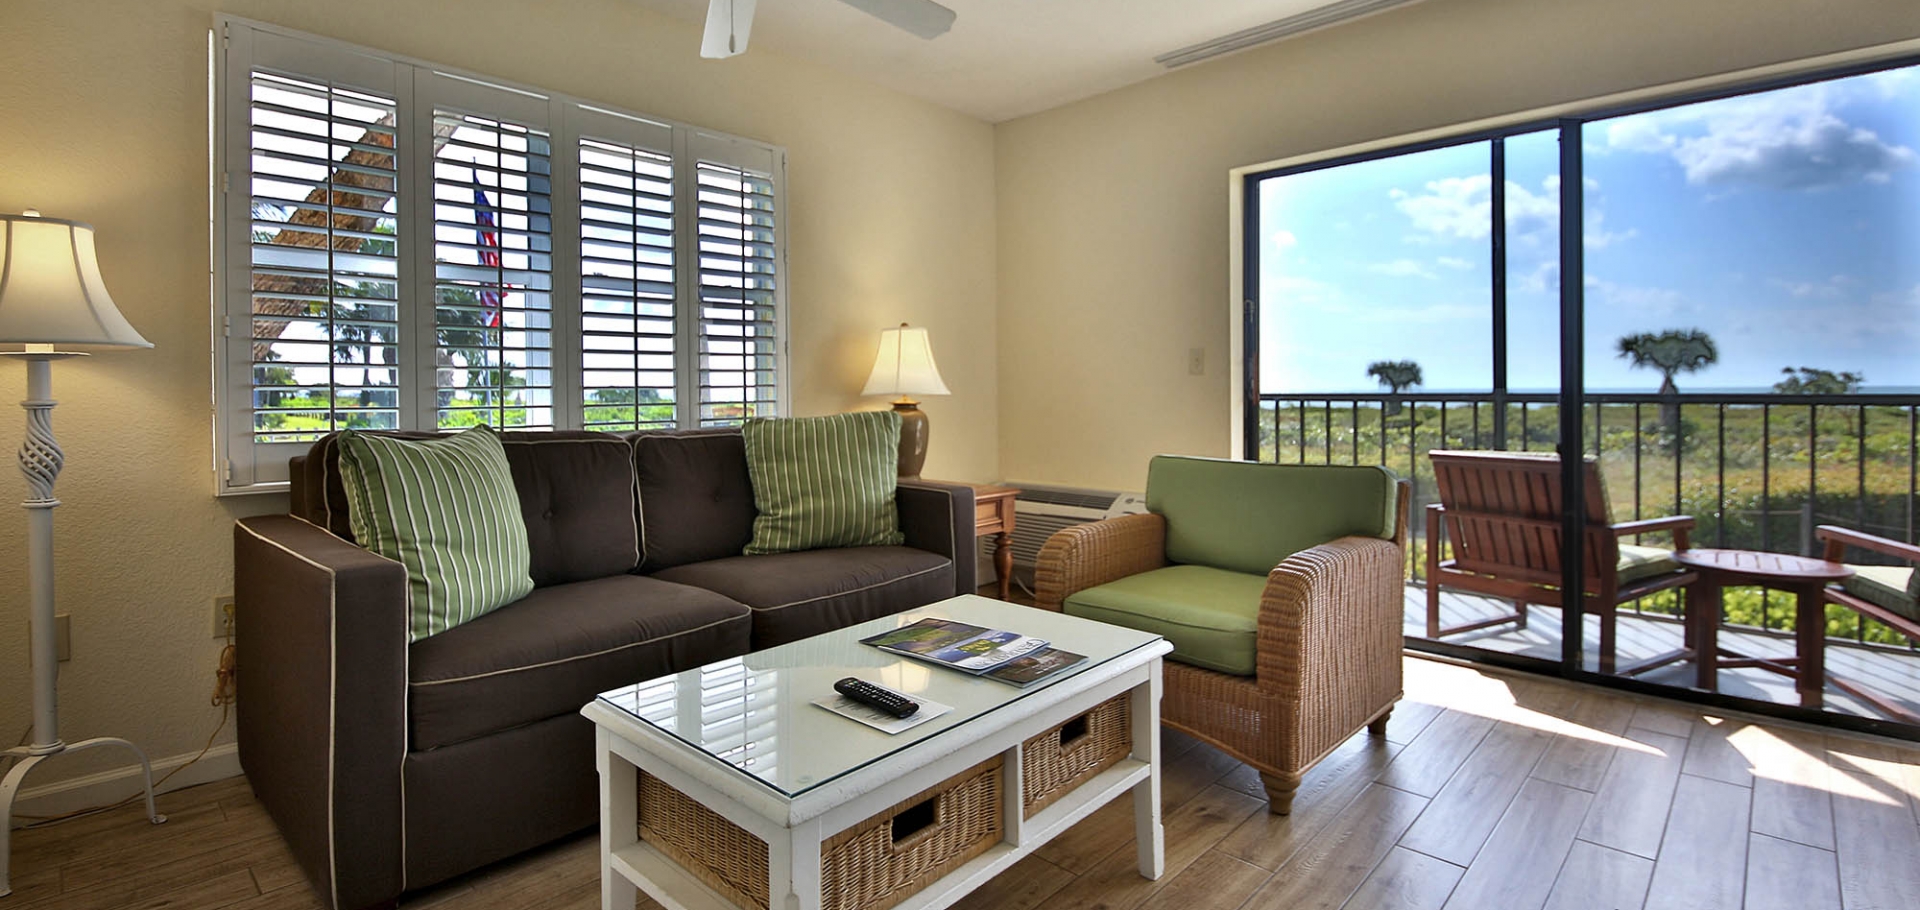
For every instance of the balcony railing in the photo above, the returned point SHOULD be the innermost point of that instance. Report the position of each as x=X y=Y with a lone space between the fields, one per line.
x=1757 y=471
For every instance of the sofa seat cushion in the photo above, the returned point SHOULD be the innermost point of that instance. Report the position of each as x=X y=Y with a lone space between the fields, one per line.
x=554 y=650
x=795 y=595
x=1210 y=615
x=1637 y=563
x=1886 y=586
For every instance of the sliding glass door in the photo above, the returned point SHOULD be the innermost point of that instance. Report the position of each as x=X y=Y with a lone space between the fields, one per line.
x=1712 y=302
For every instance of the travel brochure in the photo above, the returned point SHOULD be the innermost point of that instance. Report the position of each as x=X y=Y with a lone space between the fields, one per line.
x=1006 y=656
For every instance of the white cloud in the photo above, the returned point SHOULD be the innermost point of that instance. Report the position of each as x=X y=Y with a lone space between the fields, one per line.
x=1597 y=237
x=1462 y=207
x=1454 y=262
x=1284 y=239
x=1402 y=268
x=1451 y=206
x=1830 y=289
x=1427 y=315
x=1543 y=278
x=1650 y=301
x=1788 y=139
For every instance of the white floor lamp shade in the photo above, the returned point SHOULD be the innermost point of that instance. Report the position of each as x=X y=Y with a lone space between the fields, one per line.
x=51 y=294
x=904 y=366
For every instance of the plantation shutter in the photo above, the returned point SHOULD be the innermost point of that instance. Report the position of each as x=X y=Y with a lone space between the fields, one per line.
x=312 y=209
x=493 y=290
x=628 y=308
x=403 y=246
x=739 y=332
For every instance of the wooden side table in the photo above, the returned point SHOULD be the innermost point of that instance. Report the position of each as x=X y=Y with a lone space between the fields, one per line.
x=1805 y=578
x=993 y=516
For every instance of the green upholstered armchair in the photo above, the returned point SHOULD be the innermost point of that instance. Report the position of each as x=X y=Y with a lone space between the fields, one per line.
x=1281 y=589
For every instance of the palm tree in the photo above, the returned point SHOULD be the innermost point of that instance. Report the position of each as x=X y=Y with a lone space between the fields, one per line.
x=1396 y=375
x=1671 y=352
x=1814 y=381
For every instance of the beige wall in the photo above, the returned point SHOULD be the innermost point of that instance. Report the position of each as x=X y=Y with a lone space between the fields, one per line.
x=103 y=119
x=1113 y=215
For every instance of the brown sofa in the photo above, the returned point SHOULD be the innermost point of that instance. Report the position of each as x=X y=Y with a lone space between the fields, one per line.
x=390 y=767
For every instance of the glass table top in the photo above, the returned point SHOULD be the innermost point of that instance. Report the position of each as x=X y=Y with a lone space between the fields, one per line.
x=756 y=712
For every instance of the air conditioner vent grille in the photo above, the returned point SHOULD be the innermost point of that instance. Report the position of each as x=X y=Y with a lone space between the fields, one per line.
x=1079 y=499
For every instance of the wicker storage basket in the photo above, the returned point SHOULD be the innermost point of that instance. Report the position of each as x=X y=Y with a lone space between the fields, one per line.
x=884 y=860
x=1055 y=762
x=716 y=851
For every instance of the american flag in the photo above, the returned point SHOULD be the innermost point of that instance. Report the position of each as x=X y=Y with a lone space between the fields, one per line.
x=490 y=297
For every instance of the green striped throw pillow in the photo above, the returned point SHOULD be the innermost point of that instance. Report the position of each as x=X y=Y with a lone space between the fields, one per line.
x=447 y=510
x=824 y=481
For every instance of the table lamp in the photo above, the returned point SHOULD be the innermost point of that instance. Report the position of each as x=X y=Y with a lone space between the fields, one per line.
x=51 y=294
x=904 y=367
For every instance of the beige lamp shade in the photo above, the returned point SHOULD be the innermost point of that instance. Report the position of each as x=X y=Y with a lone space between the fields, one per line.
x=905 y=365
x=50 y=286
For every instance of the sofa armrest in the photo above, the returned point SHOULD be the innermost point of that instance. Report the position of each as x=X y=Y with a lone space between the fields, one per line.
x=1083 y=556
x=938 y=518
x=1329 y=639
x=321 y=630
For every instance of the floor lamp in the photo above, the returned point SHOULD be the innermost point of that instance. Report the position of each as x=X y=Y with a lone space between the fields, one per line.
x=50 y=294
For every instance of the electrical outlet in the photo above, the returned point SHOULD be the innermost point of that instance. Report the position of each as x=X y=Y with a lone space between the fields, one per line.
x=1196 y=361
x=62 y=636
x=223 y=618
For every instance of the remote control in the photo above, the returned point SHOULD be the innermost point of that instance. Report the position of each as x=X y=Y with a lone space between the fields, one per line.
x=867 y=693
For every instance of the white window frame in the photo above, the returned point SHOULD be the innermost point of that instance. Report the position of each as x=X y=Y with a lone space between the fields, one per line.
x=243 y=466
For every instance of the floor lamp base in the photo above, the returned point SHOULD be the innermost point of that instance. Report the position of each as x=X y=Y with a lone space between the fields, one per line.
x=10 y=788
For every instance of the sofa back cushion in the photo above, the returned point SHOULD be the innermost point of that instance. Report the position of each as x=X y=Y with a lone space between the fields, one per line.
x=576 y=497
x=1247 y=517
x=577 y=491
x=696 y=500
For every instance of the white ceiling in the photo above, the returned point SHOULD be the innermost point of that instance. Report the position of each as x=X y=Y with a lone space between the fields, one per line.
x=1003 y=58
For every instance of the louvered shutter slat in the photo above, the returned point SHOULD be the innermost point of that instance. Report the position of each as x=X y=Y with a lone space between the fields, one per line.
x=324 y=259
x=493 y=273
x=737 y=270
x=627 y=285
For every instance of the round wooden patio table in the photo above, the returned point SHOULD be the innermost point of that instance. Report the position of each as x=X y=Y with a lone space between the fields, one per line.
x=1805 y=578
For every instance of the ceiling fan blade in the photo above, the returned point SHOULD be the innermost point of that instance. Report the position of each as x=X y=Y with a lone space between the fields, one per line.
x=921 y=17
x=729 y=24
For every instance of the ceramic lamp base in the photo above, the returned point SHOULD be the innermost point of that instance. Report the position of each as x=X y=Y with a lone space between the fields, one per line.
x=913 y=437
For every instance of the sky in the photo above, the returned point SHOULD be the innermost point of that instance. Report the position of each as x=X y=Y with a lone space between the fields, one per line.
x=1785 y=224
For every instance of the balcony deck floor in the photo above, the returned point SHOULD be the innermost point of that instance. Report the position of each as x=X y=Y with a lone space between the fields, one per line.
x=1891 y=673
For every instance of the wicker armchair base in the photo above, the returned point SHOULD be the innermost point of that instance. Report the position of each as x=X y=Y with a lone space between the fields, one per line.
x=1245 y=730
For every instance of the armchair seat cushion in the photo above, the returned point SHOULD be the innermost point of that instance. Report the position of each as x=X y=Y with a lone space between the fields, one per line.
x=1886 y=586
x=1210 y=615
x=807 y=592
x=552 y=651
x=1637 y=563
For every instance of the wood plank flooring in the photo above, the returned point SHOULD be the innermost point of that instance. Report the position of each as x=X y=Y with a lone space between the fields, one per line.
x=1488 y=793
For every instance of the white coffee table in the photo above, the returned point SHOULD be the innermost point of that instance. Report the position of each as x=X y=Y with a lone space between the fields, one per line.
x=742 y=738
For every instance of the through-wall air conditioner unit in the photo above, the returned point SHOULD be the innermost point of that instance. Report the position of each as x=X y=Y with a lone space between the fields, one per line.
x=1041 y=510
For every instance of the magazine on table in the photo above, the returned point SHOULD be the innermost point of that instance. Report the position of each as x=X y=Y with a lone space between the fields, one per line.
x=1025 y=671
x=967 y=648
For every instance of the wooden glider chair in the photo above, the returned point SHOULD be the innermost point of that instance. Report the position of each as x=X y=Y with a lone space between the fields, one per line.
x=1889 y=594
x=1281 y=588
x=1502 y=513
